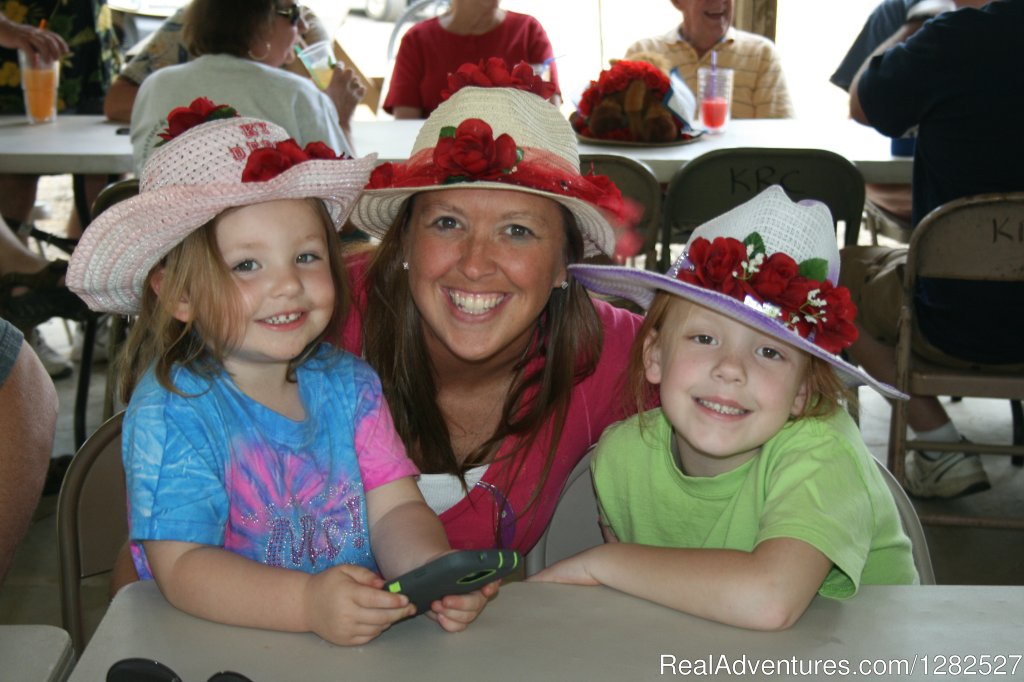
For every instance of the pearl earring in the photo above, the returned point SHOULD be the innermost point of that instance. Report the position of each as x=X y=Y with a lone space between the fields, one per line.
x=405 y=265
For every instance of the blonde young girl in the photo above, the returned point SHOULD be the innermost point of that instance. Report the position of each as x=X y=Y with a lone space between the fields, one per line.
x=750 y=489
x=267 y=486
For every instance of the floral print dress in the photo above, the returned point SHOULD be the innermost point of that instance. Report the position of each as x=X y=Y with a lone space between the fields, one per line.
x=86 y=73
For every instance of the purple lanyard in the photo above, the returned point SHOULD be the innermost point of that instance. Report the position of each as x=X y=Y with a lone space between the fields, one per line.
x=504 y=515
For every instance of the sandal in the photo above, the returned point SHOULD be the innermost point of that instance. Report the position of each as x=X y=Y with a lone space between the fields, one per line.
x=46 y=297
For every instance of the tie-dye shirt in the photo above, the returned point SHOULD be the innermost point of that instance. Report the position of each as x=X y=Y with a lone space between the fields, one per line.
x=215 y=467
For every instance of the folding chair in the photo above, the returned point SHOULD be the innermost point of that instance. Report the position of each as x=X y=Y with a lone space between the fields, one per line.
x=92 y=521
x=722 y=179
x=974 y=238
x=574 y=525
x=636 y=181
x=911 y=526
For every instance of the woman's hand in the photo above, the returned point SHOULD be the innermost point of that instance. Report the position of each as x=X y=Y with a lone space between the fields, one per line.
x=346 y=91
x=46 y=44
x=455 y=612
x=345 y=605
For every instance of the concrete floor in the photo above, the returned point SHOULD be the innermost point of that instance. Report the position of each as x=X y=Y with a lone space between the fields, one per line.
x=960 y=556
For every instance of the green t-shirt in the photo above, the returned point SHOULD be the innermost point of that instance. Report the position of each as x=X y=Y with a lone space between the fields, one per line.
x=814 y=481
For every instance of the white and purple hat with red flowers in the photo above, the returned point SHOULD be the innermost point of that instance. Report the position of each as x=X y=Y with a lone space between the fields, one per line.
x=771 y=264
x=211 y=160
x=496 y=130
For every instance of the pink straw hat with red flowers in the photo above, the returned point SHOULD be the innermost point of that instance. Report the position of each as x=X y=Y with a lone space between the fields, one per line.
x=770 y=264
x=496 y=131
x=223 y=161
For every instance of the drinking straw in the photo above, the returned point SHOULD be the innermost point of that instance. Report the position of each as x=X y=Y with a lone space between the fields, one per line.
x=714 y=68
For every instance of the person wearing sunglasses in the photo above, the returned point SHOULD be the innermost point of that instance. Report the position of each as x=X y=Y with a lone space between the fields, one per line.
x=235 y=48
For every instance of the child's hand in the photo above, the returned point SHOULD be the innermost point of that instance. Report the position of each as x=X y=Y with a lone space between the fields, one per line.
x=456 y=611
x=346 y=605
x=571 y=571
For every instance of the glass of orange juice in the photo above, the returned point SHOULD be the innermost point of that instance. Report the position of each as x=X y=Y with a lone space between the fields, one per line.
x=39 y=78
x=319 y=61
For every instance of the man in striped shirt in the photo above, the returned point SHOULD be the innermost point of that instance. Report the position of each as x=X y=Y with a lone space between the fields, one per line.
x=759 y=86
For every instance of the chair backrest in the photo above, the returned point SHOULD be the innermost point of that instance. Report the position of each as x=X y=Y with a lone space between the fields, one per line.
x=976 y=238
x=113 y=193
x=574 y=525
x=979 y=237
x=636 y=181
x=911 y=526
x=92 y=520
x=722 y=179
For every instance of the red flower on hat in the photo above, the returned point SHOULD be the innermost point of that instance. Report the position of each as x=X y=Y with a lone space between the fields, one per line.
x=198 y=112
x=266 y=163
x=833 y=328
x=319 y=150
x=470 y=152
x=799 y=296
x=269 y=162
x=494 y=73
x=719 y=265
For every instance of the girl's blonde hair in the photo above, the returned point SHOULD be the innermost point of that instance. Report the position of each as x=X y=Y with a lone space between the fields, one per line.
x=195 y=271
x=825 y=390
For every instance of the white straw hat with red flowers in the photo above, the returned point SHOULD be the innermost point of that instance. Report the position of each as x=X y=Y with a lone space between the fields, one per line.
x=769 y=263
x=497 y=131
x=212 y=160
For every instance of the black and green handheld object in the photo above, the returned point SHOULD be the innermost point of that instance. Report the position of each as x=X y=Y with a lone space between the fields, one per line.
x=455 y=573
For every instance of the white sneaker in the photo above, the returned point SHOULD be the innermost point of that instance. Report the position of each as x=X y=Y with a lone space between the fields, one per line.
x=100 y=350
x=954 y=474
x=57 y=366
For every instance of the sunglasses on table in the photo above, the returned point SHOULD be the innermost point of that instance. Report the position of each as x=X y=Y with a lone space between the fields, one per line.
x=148 y=670
x=292 y=12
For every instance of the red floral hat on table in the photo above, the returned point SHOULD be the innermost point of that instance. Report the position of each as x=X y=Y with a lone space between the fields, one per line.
x=629 y=102
x=770 y=264
x=497 y=131
x=211 y=160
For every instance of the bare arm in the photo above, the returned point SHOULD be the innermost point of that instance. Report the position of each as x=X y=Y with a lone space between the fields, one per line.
x=767 y=589
x=27 y=420
x=117 y=105
x=908 y=29
x=343 y=604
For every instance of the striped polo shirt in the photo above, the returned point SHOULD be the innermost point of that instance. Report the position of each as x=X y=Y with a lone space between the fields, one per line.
x=759 y=86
